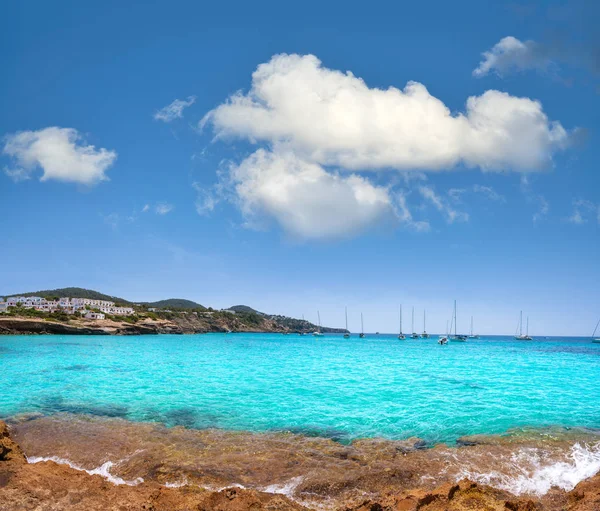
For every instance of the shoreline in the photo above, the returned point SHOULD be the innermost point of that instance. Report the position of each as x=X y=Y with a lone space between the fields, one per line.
x=314 y=472
x=184 y=324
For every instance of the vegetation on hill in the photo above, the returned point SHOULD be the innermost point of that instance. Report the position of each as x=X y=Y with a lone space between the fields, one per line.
x=72 y=292
x=244 y=308
x=174 y=303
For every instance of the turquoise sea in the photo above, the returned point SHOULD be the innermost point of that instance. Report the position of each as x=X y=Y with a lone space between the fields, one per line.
x=328 y=386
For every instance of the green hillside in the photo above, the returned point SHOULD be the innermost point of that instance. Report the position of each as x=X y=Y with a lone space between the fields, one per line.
x=174 y=303
x=244 y=308
x=72 y=292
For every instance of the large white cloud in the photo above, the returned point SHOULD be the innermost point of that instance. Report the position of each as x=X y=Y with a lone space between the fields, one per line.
x=304 y=199
x=334 y=118
x=510 y=54
x=60 y=153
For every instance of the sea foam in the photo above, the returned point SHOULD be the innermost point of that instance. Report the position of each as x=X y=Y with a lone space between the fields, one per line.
x=102 y=471
x=530 y=475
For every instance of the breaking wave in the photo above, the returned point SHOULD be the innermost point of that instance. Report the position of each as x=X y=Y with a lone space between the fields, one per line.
x=102 y=471
x=530 y=475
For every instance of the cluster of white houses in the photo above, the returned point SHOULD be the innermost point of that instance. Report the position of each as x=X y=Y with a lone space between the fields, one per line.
x=69 y=305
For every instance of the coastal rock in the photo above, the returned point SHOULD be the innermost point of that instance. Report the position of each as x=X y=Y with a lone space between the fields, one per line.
x=10 y=452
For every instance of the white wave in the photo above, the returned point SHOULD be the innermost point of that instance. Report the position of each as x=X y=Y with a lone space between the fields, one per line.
x=177 y=484
x=286 y=489
x=529 y=475
x=103 y=470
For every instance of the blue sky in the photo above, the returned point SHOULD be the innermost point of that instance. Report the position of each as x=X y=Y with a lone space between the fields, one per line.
x=141 y=157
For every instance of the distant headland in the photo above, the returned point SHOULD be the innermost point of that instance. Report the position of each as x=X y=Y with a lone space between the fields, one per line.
x=79 y=311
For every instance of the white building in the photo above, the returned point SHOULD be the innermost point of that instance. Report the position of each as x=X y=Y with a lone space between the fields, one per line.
x=3 y=307
x=94 y=315
x=68 y=305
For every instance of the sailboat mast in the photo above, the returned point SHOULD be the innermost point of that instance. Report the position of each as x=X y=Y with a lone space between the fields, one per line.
x=596 y=328
x=362 y=326
x=455 y=318
x=346 y=318
x=319 y=316
x=471 y=325
x=413 y=319
x=521 y=324
x=401 y=321
x=424 y=329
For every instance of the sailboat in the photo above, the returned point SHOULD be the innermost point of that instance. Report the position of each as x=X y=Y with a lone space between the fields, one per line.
x=318 y=332
x=424 y=335
x=594 y=339
x=414 y=334
x=401 y=336
x=522 y=337
x=471 y=336
x=347 y=334
x=362 y=327
x=457 y=337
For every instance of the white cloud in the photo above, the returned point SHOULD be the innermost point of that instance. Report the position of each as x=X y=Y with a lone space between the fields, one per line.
x=61 y=155
x=451 y=214
x=583 y=210
x=174 y=110
x=146 y=208
x=304 y=199
x=333 y=118
x=163 y=208
x=544 y=208
x=489 y=192
x=510 y=55
x=405 y=216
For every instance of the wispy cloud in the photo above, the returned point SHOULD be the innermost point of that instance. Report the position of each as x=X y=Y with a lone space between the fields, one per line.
x=174 y=110
x=543 y=208
x=163 y=208
x=452 y=215
x=583 y=211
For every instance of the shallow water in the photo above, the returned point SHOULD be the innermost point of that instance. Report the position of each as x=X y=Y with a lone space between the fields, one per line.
x=332 y=387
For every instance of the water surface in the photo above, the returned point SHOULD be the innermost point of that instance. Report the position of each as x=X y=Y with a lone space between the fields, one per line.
x=330 y=386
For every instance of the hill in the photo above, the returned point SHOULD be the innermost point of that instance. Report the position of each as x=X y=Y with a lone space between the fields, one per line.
x=174 y=303
x=72 y=292
x=244 y=308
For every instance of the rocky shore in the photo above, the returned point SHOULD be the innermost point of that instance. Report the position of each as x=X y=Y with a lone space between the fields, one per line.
x=85 y=463
x=180 y=323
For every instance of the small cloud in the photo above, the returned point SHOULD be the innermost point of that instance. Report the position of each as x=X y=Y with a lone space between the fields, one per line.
x=113 y=220
x=543 y=210
x=489 y=192
x=584 y=210
x=163 y=208
x=17 y=174
x=451 y=214
x=60 y=153
x=174 y=110
x=146 y=208
x=406 y=218
x=510 y=55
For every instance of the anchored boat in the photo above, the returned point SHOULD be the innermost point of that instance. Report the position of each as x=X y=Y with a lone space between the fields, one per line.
x=414 y=334
x=347 y=334
x=318 y=333
x=522 y=337
x=401 y=336
x=424 y=335
x=457 y=337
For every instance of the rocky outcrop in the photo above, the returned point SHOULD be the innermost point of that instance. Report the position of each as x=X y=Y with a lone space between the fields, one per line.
x=178 y=323
x=51 y=486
